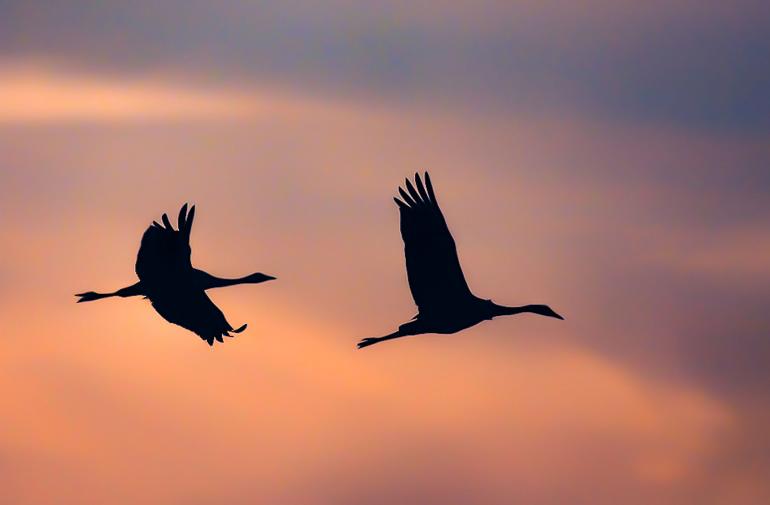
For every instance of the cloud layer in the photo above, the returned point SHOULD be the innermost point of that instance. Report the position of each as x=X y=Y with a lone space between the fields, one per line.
x=607 y=159
x=676 y=63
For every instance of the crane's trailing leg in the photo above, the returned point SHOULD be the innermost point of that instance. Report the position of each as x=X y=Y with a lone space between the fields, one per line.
x=371 y=341
x=133 y=290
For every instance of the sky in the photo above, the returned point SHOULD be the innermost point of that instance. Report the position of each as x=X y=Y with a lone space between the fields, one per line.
x=609 y=159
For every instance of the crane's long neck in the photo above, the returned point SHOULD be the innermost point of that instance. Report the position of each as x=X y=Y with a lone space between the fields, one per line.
x=208 y=281
x=503 y=310
x=543 y=310
x=220 y=282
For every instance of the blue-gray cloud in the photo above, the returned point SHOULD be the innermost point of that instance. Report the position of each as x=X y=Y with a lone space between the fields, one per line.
x=673 y=63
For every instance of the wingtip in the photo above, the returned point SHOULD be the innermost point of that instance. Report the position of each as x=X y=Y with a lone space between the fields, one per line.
x=182 y=218
x=429 y=187
x=414 y=193
x=189 y=220
x=166 y=221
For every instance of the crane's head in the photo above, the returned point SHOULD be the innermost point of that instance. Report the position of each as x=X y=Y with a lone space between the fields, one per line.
x=258 y=277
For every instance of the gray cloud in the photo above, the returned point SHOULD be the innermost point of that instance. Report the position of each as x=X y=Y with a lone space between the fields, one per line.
x=676 y=63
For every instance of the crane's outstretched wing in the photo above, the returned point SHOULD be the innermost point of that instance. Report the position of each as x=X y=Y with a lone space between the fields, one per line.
x=193 y=310
x=165 y=252
x=432 y=266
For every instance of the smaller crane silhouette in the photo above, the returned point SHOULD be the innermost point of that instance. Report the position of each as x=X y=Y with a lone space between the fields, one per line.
x=176 y=290
x=446 y=304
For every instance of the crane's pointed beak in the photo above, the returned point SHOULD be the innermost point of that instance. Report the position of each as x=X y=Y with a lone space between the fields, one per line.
x=549 y=312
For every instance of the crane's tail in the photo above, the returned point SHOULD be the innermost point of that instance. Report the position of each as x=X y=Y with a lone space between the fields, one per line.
x=374 y=340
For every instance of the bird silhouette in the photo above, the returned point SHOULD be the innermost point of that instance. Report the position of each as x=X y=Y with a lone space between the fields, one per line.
x=176 y=290
x=445 y=303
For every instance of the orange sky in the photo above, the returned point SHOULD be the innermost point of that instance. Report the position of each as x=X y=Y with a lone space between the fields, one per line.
x=648 y=234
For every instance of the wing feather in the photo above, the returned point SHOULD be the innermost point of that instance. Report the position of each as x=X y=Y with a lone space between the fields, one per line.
x=407 y=199
x=188 y=223
x=180 y=221
x=421 y=188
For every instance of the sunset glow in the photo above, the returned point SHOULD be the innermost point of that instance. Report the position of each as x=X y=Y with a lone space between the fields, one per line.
x=611 y=162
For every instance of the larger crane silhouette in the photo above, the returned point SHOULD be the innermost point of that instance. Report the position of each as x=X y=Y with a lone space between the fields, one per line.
x=176 y=290
x=446 y=304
